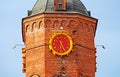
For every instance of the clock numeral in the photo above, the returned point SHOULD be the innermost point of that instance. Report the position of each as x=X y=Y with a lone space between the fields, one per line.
x=53 y=43
x=54 y=47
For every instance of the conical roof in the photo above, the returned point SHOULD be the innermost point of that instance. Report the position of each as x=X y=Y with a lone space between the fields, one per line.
x=47 y=6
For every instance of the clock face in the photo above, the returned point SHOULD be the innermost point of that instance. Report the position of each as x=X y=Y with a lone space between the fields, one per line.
x=61 y=44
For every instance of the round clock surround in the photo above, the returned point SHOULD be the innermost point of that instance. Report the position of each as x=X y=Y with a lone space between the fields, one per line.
x=61 y=44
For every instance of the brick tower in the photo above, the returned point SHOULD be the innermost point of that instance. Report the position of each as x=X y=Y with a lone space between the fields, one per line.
x=59 y=40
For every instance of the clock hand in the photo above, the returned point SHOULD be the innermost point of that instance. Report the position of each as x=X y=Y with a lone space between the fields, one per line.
x=61 y=45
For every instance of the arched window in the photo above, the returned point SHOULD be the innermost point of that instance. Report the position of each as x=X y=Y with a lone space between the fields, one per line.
x=60 y=74
x=35 y=75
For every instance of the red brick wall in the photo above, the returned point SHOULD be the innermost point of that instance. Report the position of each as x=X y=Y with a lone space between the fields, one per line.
x=37 y=30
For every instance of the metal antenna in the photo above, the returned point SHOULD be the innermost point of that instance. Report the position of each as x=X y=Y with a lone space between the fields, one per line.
x=101 y=46
x=17 y=45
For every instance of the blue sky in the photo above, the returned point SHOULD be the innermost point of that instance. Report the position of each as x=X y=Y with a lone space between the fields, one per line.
x=108 y=34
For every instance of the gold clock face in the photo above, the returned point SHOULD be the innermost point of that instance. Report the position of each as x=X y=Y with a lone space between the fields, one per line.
x=61 y=44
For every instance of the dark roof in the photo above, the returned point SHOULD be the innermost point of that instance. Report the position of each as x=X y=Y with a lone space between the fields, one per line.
x=47 y=6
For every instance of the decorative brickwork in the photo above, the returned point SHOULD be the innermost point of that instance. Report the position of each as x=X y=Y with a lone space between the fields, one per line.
x=37 y=31
x=24 y=59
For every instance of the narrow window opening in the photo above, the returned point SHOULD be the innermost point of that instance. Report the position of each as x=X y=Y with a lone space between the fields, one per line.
x=60 y=1
x=60 y=4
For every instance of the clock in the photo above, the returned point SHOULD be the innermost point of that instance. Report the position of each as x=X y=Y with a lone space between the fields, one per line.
x=61 y=44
